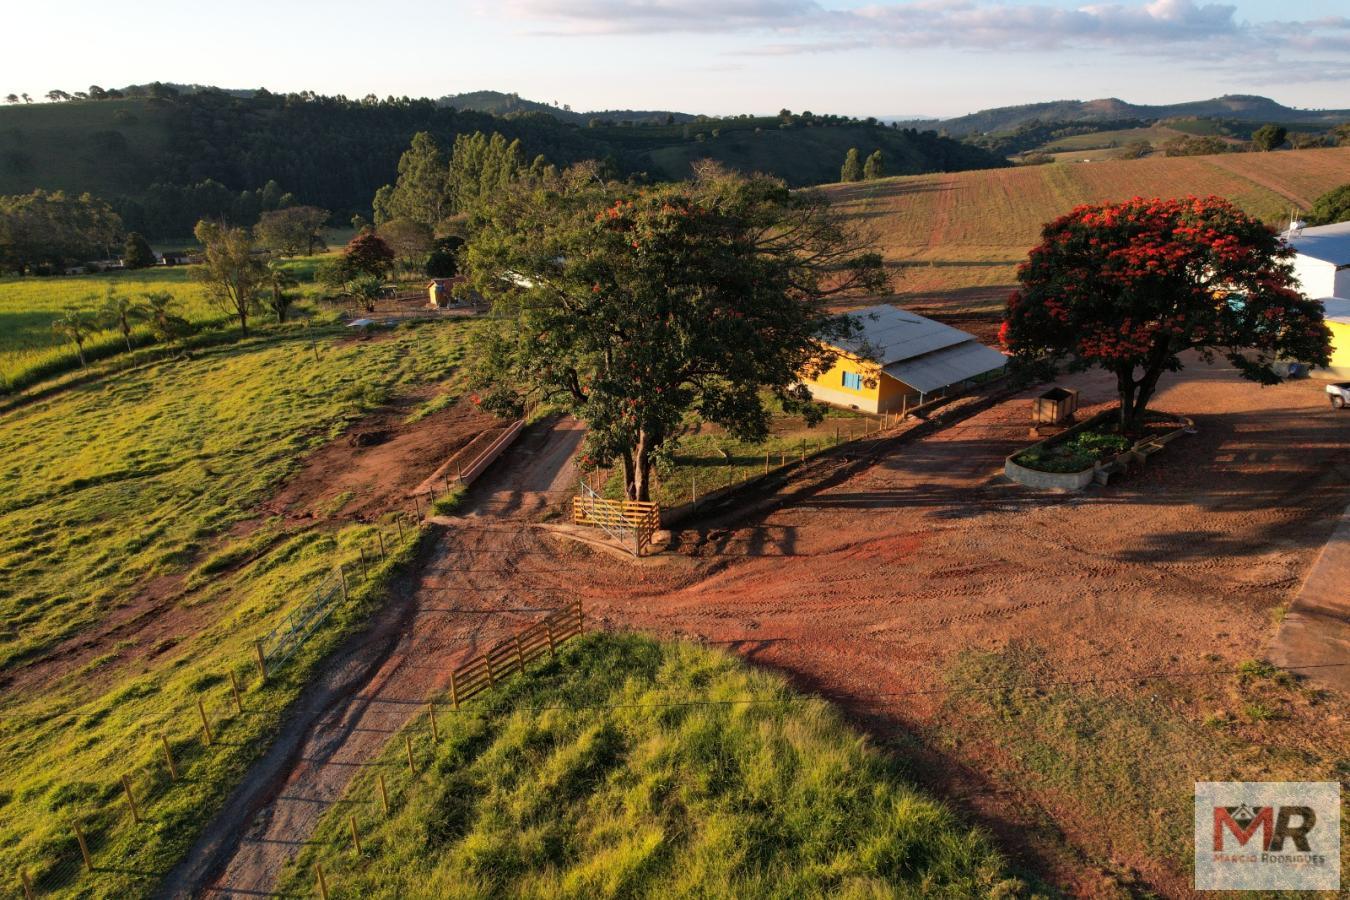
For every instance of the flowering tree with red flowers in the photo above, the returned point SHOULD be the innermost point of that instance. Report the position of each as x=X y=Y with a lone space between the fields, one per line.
x=635 y=306
x=367 y=254
x=1130 y=286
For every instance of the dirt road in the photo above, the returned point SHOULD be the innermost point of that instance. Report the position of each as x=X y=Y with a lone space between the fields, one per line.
x=475 y=587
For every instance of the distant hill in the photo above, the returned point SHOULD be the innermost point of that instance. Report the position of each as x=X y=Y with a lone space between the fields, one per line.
x=1233 y=106
x=164 y=161
x=500 y=104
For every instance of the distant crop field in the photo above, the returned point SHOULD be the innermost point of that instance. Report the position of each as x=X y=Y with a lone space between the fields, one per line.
x=955 y=239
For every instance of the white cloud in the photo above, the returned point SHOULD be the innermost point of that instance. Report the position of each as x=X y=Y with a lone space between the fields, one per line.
x=1200 y=30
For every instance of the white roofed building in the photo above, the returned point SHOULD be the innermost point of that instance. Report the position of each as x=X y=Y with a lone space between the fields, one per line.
x=1322 y=264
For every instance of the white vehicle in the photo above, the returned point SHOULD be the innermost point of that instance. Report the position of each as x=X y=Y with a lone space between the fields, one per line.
x=1340 y=394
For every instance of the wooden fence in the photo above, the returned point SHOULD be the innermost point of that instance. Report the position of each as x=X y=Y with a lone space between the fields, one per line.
x=515 y=653
x=619 y=517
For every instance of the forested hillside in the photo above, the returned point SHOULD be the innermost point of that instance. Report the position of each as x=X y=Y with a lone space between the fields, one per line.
x=165 y=161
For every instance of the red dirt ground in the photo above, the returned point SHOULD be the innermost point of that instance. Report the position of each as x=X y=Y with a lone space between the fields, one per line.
x=866 y=577
x=379 y=475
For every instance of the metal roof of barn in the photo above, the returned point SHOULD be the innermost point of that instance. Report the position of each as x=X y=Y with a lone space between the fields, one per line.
x=950 y=365
x=890 y=334
x=1329 y=243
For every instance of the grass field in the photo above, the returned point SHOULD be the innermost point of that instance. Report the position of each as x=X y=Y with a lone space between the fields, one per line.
x=29 y=349
x=628 y=768
x=956 y=238
x=135 y=572
x=1082 y=745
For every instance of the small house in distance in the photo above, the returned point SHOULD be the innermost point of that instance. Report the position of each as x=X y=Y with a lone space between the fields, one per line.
x=901 y=359
x=1322 y=265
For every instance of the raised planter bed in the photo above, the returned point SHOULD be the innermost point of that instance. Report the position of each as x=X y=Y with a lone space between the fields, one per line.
x=1100 y=470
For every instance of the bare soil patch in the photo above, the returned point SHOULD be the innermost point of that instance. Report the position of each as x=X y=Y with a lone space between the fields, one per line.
x=380 y=460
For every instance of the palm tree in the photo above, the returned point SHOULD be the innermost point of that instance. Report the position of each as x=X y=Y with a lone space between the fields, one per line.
x=76 y=325
x=161 y=311
x=279 y=281
x=121 y=313
x=365 y=288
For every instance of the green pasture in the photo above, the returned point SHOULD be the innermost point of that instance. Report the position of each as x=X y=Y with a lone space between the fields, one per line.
x=136 y=571
x=30 y=350
x=634 y=768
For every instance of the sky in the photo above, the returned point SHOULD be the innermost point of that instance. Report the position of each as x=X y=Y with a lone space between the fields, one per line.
x=883 y=58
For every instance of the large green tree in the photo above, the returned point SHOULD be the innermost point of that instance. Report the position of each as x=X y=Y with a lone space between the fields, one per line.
x=875 y=167
x=421 y=193
x=852 y=170
x=234 y=275
x=636 y=307
x=1129 y=287
x=136 y=252
x=292 y=230
x=1268 y=137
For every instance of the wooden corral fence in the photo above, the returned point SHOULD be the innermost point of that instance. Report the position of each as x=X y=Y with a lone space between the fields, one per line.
x=515 y=653
x=630 y=522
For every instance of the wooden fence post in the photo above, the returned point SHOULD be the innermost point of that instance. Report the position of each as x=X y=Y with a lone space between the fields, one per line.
x=262 y=660
x=487 y=662
x=384 y=796
x=552 y=648
x=581 y=620
x=206 y=723
x=323 y=885
x=168 y=758
x=520 y=654
x=399 y=522
x=342 y=580
x=234 y=688
x=435 y=732
x=27 y=884
x=407 y=743
x=84 y=846
x=380 y=534
x=454 y=689
x=131 y=800
x=766 y=463
x=356 y=837
x=417 y=510
x=365 y=574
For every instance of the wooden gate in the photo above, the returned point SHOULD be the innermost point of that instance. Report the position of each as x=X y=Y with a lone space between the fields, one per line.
x=630 y=522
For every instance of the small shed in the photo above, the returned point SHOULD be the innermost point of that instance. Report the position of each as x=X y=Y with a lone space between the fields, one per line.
x=1055 y=407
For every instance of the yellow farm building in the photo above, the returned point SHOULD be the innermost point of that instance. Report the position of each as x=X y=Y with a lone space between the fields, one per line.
x=1322 y=266
x=900 y=359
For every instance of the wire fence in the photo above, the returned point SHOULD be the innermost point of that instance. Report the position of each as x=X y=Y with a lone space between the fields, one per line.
x=83 y=839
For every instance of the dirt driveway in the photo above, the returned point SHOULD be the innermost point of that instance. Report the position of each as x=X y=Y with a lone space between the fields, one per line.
x=476 y=585
x=865 y=578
